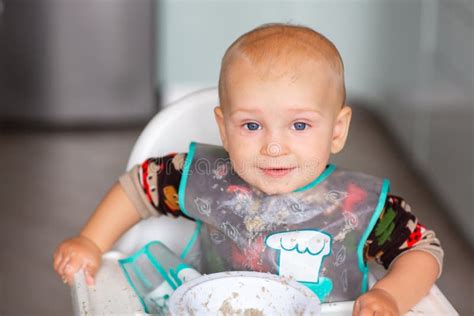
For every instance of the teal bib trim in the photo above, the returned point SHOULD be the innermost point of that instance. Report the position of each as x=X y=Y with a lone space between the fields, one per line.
x=181 y=195
x=174 y=272
x=326 y=173
x=182 y=266
x=192 y=240
x=157 y=266
x=131 y=284
x=184 y=178
x=360 y=247
x=140 y=275
x=321 y=289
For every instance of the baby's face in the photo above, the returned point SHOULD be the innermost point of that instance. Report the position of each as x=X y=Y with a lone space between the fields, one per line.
x=280 y=130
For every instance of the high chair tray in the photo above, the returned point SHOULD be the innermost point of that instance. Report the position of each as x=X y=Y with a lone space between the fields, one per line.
x=112 y=295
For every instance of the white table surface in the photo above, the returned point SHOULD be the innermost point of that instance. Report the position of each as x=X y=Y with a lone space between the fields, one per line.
x=112 y=295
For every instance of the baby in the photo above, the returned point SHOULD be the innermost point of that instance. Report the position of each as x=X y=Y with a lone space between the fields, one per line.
x=268 y=200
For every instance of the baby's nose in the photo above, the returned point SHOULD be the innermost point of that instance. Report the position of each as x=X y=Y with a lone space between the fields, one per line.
x=273 y=149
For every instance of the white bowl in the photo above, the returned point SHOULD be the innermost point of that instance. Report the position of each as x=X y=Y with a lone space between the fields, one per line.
x=243 y=293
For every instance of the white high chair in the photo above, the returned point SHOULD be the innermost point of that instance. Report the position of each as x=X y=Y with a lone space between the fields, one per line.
x=190 y=118
x=171 y=130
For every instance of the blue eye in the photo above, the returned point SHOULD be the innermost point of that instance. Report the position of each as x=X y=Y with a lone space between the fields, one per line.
x=252 y=126
x=300 y=126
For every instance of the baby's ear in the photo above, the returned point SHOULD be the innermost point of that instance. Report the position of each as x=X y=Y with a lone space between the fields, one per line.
x=341 y=129
x=219 y=115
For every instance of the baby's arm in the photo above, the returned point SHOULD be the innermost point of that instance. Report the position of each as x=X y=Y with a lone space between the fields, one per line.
x=409 y=279
x=412 y=254
x=149 y=189
x=113 y=216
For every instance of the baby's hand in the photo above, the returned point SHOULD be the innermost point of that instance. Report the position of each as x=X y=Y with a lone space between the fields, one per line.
x=375 y=302
x=75 y=254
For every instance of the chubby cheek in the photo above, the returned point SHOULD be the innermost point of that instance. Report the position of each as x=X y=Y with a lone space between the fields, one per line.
x=243 y=150
x=244 y=164
x=242 y=161
x=313 y=156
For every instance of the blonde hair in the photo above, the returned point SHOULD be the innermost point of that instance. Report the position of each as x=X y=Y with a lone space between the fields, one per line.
x=278 y=44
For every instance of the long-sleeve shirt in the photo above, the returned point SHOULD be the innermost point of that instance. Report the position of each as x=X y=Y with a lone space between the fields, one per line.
x=153 y=188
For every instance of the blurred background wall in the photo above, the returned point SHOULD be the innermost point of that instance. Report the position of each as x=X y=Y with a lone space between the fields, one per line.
x=73 y=62
x=412 y=62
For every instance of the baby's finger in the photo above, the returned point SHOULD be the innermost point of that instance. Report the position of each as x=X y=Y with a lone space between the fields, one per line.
x=74 y=265
x=89 y=277
x=367 y=312
x=356 y=308
x=63 y=265
x=57 y=259
x=59 y=256
x=91 y=270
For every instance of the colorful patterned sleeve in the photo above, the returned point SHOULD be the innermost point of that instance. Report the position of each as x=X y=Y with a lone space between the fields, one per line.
x=398 y=231
x=153 y=185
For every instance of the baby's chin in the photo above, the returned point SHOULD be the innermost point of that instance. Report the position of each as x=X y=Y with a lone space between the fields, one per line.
x=279 y=186
x=277 y=191
x=274 y=188
x=295 y=180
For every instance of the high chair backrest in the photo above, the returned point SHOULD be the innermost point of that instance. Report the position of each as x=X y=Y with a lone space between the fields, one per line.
x=190 y=118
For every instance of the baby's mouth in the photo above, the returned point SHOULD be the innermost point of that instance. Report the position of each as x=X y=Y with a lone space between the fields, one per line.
x=277 y=172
